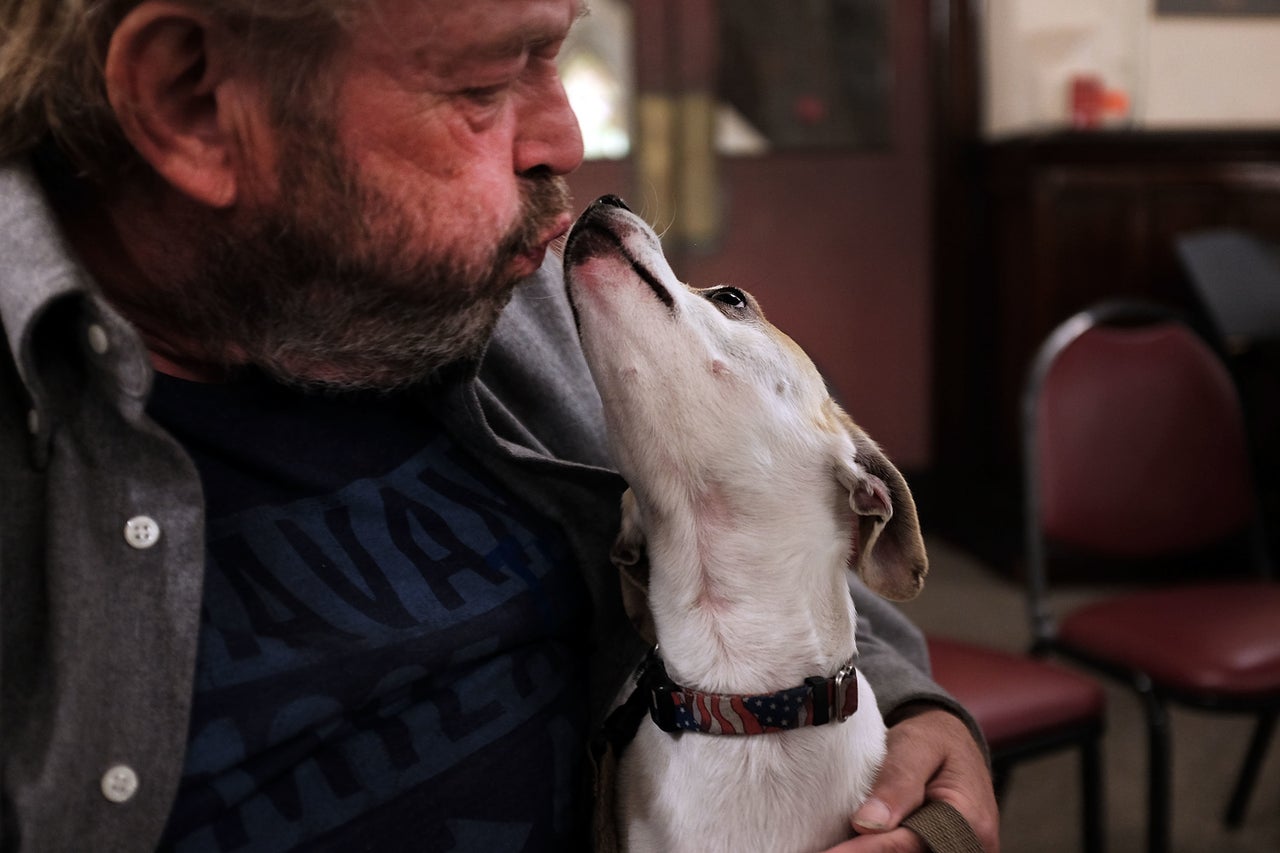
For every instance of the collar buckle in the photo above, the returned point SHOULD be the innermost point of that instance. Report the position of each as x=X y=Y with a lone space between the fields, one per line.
x=838 y=695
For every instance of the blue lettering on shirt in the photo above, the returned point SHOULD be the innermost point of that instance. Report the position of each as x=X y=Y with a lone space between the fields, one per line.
x=392 y=661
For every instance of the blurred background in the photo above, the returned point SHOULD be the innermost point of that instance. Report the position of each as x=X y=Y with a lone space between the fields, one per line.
x=918 y=192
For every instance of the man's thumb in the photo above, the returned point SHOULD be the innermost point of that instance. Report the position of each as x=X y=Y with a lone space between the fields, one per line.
x=899 y=790
x=874 y=815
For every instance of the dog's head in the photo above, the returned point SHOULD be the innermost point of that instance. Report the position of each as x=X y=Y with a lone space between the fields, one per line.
x=704 y=396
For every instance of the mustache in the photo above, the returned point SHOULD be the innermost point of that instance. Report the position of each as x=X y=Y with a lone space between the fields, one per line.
x=544 y=199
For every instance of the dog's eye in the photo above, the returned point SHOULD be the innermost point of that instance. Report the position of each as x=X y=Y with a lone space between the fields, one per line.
x=730 y=296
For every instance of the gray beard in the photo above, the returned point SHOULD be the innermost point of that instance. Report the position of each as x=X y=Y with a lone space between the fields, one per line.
x=321 y=292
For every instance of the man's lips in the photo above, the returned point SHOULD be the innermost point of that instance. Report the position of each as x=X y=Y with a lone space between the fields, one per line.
x=556 y=231
x=531 y=259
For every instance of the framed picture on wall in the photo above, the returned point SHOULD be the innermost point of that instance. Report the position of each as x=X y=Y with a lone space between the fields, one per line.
x=1218 y=7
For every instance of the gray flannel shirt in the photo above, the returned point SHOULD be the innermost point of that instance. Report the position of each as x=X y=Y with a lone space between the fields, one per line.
x=102 y=547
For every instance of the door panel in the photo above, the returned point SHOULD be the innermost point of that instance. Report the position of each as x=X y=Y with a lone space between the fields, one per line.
x=827 y=225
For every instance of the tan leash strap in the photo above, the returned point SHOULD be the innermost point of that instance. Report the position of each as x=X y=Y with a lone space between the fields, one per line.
x=943 y=829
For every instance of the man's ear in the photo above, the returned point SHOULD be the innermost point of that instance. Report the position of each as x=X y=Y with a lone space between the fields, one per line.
x=169 y=78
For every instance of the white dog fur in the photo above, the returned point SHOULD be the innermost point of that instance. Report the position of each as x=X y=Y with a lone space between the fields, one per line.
x=750 y=491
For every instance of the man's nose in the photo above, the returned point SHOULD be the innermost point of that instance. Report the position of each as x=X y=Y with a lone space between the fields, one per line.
x=549 y=136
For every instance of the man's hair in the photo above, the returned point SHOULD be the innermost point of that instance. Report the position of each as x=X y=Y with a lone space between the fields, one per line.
x=52 y=55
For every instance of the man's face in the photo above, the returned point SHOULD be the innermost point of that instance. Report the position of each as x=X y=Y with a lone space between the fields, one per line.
x=397 y=223
x=448 y=106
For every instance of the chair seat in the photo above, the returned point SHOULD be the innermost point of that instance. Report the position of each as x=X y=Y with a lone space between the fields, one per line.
x=1013 y=697
x=1221 y=639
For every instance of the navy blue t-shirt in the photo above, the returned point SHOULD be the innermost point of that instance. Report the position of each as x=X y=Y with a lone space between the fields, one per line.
x=391 y=649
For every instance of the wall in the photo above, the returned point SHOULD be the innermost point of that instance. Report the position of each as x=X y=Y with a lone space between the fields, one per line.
x=1213 y=72
x=1176 y=72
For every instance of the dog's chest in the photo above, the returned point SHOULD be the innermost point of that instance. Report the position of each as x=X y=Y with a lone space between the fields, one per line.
x=786 y=791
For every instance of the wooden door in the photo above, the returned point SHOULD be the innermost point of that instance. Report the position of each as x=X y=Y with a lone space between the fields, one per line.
x=783 y=146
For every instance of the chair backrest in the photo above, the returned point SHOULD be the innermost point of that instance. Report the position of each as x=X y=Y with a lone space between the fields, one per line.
x=1134 y=443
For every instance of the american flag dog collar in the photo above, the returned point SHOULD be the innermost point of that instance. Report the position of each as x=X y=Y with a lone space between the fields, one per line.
x=816 y=702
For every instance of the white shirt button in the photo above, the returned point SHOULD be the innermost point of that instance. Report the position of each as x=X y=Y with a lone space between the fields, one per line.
x=120 y=783
x=141 y=531
x=98 y=340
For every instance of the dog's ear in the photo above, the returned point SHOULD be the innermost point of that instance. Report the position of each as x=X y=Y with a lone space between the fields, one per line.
x=890 y=555
x=630 y=558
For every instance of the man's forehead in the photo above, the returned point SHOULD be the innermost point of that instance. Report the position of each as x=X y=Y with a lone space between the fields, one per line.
x=536 y=27
x=452 y=31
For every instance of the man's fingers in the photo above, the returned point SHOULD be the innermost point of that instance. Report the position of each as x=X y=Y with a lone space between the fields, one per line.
x=909 y=764
x=929 y=756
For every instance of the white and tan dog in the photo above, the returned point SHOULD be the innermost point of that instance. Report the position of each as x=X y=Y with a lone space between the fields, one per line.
x=750 y=490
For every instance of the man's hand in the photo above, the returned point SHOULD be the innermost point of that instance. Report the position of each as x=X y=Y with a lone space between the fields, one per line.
x=931 y=756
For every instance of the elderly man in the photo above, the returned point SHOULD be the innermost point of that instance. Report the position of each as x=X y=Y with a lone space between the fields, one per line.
x=305 y=506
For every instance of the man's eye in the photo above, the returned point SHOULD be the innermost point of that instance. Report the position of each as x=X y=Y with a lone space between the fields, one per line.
x=730 y=296
x=484 y=95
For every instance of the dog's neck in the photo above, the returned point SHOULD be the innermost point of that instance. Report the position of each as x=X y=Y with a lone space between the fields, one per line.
x=750 y=595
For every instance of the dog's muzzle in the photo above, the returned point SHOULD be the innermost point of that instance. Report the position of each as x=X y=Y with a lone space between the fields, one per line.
x=597 y=232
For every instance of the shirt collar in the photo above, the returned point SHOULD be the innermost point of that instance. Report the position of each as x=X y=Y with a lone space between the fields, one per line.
x=52 y=314
x=38 y=268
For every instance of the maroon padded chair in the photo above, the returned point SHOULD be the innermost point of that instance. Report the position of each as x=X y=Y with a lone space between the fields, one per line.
x=1026 y=708
x=1136 y=461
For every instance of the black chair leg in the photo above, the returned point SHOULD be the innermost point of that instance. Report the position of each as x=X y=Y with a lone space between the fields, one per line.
x=1092 y=795
x=1159 y=809
x=1249 y=772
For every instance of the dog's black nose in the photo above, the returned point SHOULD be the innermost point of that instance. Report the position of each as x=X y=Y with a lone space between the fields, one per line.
x=612 y=201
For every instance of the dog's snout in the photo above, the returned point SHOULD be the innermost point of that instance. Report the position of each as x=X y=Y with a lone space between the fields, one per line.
x=612 y=201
